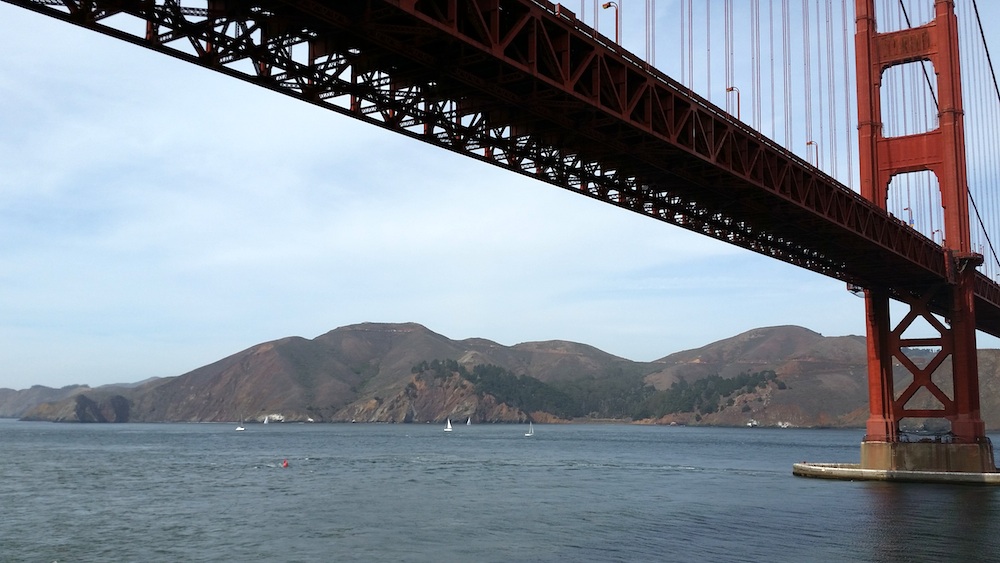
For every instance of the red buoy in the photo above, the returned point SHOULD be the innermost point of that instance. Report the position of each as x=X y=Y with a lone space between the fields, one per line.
x=284 y=463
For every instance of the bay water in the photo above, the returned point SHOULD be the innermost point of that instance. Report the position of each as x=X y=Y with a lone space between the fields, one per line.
x=380 y=492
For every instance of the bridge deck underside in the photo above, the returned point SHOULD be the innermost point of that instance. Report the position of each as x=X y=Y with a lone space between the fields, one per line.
x=522 y=85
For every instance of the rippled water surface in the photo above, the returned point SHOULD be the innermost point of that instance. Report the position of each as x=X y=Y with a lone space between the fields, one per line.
x=202 y=492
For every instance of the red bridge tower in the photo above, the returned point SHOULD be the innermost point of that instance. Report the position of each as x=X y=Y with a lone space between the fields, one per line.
x=925 y=393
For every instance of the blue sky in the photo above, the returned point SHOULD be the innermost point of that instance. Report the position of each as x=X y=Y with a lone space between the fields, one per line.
x=156 y=217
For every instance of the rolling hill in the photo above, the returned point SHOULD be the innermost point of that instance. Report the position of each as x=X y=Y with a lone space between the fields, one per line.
x=380 y=372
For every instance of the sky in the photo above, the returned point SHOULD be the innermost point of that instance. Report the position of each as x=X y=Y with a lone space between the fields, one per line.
x=156 y=217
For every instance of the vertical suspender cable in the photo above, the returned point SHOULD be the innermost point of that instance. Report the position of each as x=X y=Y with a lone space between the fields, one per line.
x=730 y=50
x=755 y=23
x=972 y=72
x=807 y=63
x=754 y=62
x=977 y=126
x=652 y=32
x=986 y=50
x=787 y=77
x=887 y=94
x=910 y=114
x=897 y=95
x=683 y=49
x=990 y=127
x=926 y=185
x=820 y=141
x=690 y=61
x=649 y=25
x=770 y=38
x=820 y=85
x=831 y=91
x=708 y=49
x=908 y=105
x=728 y=32
x=926 y=110
x=596 y=12
x=927 y=76
x=847 y=92
x=921 y=117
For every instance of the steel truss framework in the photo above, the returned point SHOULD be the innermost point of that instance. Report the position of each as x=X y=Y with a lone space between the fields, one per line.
x=522 y=84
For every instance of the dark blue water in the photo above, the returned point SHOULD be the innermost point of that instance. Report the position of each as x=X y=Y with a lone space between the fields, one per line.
x=203 y=492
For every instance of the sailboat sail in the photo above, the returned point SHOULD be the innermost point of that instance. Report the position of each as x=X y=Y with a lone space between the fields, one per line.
x=531 y=430
x=447 y=427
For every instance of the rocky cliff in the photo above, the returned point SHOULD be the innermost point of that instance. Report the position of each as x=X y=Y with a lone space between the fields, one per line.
x=14 y=403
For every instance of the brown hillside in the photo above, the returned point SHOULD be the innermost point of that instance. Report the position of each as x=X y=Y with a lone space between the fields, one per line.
x=364 y=372
x=788 y=350
x=352 y=372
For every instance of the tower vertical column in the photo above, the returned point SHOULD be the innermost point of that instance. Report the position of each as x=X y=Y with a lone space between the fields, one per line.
x=881 y=425
x=941 y=151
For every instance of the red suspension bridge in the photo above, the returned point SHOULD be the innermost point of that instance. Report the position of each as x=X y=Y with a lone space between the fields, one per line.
x=530 y=86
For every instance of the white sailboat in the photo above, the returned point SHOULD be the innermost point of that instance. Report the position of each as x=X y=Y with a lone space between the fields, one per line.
x=266 y=419
x=447 y=426
x=469 y=422
x=531 y=430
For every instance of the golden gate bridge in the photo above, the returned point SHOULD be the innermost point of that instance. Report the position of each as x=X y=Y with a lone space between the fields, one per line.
x=529 y=86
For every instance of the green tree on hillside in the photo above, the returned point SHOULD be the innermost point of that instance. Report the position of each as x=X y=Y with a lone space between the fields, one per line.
x=704 y=396
x=617 y=395
x=522 y=392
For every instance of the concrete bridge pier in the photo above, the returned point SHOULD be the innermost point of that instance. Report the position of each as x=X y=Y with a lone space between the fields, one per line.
x=918 y=462
x=928 y=456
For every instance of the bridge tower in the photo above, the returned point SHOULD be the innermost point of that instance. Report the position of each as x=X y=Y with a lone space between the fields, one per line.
x=921 y=391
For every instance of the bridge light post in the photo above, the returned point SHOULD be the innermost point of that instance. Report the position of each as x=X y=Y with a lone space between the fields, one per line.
x=816 y=145
x=618 y=23
x=737 y=90
x=910 y=211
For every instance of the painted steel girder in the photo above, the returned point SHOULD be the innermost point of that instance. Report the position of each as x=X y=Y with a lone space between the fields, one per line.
x=518 y=85
x=651 y=104
x=922 y=377
x=711 y=137
x=938 y=387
